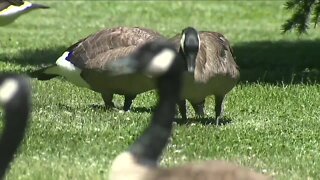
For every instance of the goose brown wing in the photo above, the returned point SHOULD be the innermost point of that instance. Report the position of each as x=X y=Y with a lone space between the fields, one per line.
x=94 y=50
x=4 y=5
x=101 y=60
x=15 y=2
x=215 y=57
x=94 y=73
x=219 y=38
x=149 y=31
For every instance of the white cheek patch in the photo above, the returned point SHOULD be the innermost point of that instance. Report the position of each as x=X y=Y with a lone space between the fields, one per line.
x=7 y=90
x=220 y=37
x=161 y=62
x=199 y=42
x=15 y=9
x=183 y=38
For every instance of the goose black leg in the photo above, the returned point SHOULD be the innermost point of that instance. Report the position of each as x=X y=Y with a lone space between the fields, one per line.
x=199 y=108
x=128 y=102
x=183 y=109
x=107 y=98
x=219 y=107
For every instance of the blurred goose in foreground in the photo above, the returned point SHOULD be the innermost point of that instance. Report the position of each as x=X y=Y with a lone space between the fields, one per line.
x=16 y=100
x=83 y=63
x=160 y=60
x=10 y=10
x=209 y=57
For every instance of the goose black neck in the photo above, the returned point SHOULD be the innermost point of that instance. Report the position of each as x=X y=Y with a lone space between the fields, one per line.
x=183 y=55
x=16 y=117
x=154 y=139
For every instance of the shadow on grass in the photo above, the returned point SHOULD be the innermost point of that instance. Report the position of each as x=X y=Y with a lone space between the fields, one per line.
x=101 y=107
x=143 y=109
x=279 y=62
x=203 y=120
x=38 y=57
x=96 y=107
x=262 y=61
x=66 y=107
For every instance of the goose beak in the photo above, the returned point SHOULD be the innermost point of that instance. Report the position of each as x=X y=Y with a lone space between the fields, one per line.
x=122 y=66
x=191 y=62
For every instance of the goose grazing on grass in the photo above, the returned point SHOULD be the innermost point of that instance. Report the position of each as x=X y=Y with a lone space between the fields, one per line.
x=160 y=60
x=10 y=10
x=16 y=100
x=83 y=62
x=209 y=58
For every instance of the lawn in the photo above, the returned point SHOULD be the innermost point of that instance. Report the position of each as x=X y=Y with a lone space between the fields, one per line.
x=273 y=112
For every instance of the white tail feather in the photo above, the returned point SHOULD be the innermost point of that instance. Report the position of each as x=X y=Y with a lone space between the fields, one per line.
x=66 y=69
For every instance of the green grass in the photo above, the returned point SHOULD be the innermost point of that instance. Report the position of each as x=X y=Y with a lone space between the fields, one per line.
x=273 y=111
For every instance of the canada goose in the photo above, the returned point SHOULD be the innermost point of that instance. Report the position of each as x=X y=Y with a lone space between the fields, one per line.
x=16 y=100
x=83 y=62
x=210 y=57
x=160 y=60
x=10 y=10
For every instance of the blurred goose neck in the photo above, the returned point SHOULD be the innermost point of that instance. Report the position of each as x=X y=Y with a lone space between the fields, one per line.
x=150 y=145
x=17 y=107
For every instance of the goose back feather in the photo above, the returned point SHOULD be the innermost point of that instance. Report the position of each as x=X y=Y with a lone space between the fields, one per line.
x=210 y=170
x=108 y=45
